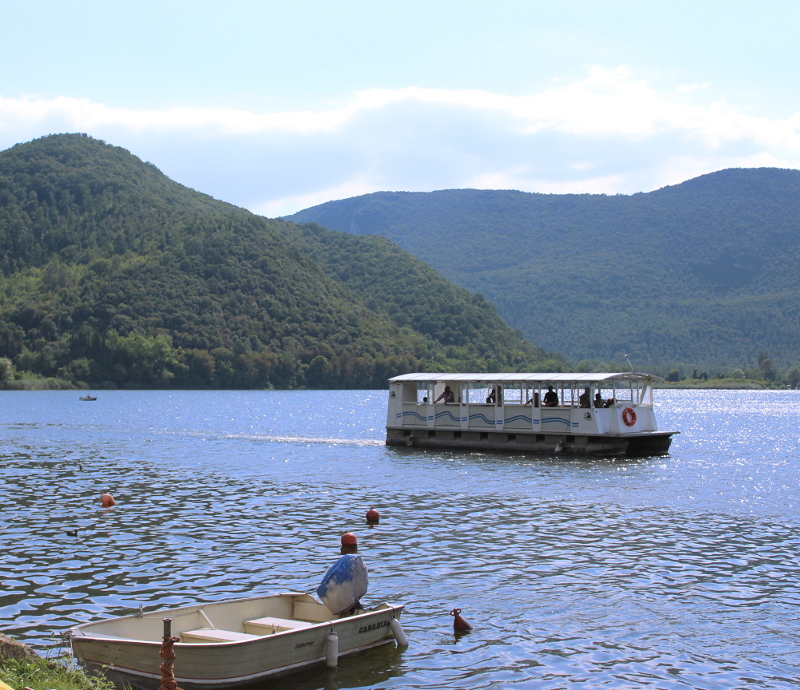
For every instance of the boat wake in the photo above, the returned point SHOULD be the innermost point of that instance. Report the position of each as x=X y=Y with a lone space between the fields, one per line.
x=327 y=441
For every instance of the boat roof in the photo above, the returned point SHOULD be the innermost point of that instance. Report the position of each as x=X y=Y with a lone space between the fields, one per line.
x=539 y=377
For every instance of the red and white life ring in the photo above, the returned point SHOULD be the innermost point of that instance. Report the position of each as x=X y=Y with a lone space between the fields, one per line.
x=629 y=416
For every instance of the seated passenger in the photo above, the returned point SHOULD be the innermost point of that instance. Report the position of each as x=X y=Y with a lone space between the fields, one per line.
x=533 y=400
x=447 y=396
x=550 y=398
x=492 y=397
x=598 y=400
x=583 y=400
x=609 y=402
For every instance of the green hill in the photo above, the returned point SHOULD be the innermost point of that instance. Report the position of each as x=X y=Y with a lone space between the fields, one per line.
x=113 y=274
x=702 y=273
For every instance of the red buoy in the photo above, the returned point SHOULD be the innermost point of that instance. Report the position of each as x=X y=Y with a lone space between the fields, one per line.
x=459 y=624
x=349 y=543
x=107 y=500
x=373 y=516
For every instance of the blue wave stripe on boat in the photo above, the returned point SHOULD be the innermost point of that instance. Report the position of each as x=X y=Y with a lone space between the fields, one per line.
x=517 y=418
x=449 y=414
x=413 y=414
x=554 y=420
x=481 y=417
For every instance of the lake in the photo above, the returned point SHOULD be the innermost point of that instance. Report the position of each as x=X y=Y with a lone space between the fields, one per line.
x=680 y=571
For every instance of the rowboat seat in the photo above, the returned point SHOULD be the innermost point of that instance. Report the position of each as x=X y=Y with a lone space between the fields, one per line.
x=269 y=624
x=214 y=635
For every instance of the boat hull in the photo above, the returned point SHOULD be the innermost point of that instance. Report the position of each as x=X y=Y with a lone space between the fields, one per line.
x=646 y=443
x=231 y=664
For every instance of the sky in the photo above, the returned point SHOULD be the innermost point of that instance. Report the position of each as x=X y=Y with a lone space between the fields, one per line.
x=278 y=106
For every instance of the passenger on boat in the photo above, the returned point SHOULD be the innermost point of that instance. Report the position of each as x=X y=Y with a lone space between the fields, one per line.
x=447 y=396
x=550 y=398
x=598 y=399
x=491 y=398
x=584 y=398
x=609 y=402
x=534 y=399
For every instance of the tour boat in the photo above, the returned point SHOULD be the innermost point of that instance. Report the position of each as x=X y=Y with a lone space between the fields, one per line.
x=232 y=643
x=574 y=414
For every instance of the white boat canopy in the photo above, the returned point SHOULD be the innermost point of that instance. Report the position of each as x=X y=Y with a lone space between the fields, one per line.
x=526 y=377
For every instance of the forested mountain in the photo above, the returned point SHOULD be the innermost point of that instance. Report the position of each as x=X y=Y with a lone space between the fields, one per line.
x=703 y=273
x=113 y=274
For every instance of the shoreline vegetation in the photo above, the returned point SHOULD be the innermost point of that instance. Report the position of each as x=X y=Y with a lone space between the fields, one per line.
x=737 y=380
x=21 y=667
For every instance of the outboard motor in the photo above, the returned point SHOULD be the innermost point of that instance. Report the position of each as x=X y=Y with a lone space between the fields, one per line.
x=344 y=584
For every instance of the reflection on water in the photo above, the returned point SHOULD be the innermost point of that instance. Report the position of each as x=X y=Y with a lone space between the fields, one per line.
x=670 y=572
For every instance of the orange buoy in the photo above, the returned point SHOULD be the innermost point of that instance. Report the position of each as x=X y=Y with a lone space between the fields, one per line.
x=459 y=624
x=349 y=543
x=373 y=516
x=107 y=500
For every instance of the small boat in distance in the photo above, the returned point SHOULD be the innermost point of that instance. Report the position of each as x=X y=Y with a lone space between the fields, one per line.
x=231 y=643
x=573 y=414
x=88 y=397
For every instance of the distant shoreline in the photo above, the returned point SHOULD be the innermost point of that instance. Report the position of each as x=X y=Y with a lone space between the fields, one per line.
x=63 y=385
x=720 y=384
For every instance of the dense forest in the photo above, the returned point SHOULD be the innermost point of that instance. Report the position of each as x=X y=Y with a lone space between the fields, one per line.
x=114 y=275
x=702 y=275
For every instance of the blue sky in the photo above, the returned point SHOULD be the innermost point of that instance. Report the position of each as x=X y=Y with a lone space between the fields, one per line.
x=276 y=106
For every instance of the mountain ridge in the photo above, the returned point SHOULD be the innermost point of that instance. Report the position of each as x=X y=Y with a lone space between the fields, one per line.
x=702 y=273
x=113 y=274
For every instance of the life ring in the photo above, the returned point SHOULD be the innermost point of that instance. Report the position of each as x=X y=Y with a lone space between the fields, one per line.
x=629 y=416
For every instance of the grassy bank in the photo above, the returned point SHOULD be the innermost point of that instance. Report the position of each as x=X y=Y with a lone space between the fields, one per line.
x=43 y=674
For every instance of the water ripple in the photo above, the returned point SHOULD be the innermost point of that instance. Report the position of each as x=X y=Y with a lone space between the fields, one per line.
x=664 y=573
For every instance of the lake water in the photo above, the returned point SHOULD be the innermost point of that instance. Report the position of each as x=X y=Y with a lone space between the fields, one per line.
x=671 y=572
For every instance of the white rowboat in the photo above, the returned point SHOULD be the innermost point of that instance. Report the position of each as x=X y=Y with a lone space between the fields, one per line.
x=231 y=643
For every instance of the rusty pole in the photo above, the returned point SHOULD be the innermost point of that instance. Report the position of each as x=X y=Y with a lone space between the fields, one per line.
x=167 y=653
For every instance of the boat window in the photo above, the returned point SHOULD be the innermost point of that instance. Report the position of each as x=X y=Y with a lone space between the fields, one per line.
x=512 y=394
x=477 y=393
x=533 y=394
x=624 y=392
x=607 y=396
x=408 y=391
x=422 y=393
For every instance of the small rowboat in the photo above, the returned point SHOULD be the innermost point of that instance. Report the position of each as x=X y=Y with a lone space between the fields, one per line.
x=232 y=643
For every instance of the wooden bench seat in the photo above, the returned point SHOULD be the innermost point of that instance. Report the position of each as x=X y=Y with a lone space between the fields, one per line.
x=214 y=635
x=270 y=624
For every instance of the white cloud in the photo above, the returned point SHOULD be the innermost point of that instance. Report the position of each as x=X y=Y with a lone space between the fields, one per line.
x=609 y=132
x=689 y=88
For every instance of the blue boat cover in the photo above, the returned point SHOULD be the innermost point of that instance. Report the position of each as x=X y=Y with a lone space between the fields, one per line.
x=344 y=584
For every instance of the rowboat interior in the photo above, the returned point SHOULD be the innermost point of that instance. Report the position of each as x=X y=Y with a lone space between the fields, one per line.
x=229 y=621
